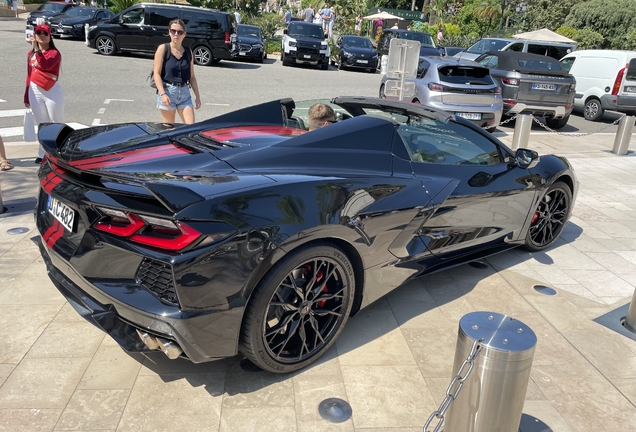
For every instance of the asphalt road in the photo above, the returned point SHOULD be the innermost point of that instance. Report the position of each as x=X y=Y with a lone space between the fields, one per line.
x=106 y=90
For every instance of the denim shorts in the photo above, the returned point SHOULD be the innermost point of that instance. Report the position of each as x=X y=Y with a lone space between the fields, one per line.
x=179 y=97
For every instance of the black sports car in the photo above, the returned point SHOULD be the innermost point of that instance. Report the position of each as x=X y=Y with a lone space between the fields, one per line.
x=73 y=21
x=248 y=233
x=48 y=10
x=251 y=45
x=354 y=52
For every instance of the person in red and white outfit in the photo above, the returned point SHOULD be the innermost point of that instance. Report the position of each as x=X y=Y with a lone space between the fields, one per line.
x=43 y=94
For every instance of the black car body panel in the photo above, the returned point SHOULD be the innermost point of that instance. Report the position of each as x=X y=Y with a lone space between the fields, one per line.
x=251 y=45
x=210 y=34
x=355 y=52
x=72 y=23
x=49 y=10
x=254 y=190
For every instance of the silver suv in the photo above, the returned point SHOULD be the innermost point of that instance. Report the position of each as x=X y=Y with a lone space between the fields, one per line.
x=555 y=50
x=463 y=88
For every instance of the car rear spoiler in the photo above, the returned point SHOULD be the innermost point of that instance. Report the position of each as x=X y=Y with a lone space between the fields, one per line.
x=52 y=136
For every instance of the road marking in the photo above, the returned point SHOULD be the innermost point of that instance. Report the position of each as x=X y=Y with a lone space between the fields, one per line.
x=213 y=104
x=2 y=100
x=101 y=111
x=108 y=101
x=13 y=113
x=77 y=125
x=11 y=131
x=95 y=122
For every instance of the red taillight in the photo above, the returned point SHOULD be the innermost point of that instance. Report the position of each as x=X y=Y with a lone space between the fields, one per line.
x=227 y=38
x=436 y=87
x=168 y=239
x=509 y=102
x=150 y=231
x=619 y=80
x=120 y=224
x=510 y=81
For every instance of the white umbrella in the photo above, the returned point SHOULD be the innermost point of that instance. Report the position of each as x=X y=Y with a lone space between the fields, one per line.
x=382 y=16
x=545 y=35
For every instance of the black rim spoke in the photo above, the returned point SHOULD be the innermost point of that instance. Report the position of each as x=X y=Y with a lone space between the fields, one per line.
x=550 y=218
x=305 y=310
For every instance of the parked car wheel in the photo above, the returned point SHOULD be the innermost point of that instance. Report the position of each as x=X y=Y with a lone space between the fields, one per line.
x=284 y=59
x=324 y=66
x=593 y=110
x=549 y=218
x=557 y=123
x=298 y=310
x=202 y=56
x=105 y=45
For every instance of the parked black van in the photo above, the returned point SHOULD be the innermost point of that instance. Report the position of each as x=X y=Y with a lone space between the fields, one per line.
x=211 y=34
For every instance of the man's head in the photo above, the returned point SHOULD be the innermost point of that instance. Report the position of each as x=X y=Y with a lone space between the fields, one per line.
x=320 y=115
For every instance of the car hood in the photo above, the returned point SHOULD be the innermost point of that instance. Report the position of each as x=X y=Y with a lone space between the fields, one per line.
x=249 y=40
x=67 y=20
x=359 y=51
x=308 y=40
x=428 y=51
x=43 y=14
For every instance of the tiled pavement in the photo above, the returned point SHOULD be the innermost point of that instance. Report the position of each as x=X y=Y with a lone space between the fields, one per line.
x=393 y=361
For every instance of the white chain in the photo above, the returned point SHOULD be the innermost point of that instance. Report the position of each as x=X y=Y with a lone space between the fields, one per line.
x=455 y=386
x=577 y=134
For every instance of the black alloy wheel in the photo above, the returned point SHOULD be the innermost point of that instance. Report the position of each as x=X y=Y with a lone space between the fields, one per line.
x=549 y=218
x=298 y=310
x=202 y=56
x=593 y=110
x=105 y=45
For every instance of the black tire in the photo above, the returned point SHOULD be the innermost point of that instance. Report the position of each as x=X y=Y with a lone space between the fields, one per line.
x=557 y=123
x=371 y=70
x=105 y=45
x=381 y=94
x=265 y=56
x=324 y=66
x=549 y=218
x=298 y=310
x=593 y=110
x=285 y=61
x=491 y=129
x=202 y=55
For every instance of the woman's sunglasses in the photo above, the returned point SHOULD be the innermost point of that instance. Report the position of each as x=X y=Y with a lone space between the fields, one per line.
x=176 y=32
x=41 y=33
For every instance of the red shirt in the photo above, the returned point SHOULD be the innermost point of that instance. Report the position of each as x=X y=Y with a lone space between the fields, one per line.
x=48 y=61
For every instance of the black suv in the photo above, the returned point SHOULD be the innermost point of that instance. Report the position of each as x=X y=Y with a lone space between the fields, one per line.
x=49 y=10
x=211 y=34
x=427 y=45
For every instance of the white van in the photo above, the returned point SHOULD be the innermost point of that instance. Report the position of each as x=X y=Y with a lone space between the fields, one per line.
x=605 y=80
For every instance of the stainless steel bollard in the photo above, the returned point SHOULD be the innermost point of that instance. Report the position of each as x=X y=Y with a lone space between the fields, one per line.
x=623 y=135
x=493 y=394
x=521 y=136
x=630 y=319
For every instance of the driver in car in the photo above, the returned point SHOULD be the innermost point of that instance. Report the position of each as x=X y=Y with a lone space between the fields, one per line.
x=320 y=115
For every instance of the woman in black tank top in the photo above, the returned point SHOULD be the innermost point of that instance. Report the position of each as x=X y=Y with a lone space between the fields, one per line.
x=174 y=75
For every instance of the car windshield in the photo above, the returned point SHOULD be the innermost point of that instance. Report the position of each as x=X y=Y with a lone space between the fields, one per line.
x=465 y=75
x=424 y=39
x=357 y=42
x=80 y=12
x=52 y=7
x=487 y=45
x=247 y=31
x=309 y=30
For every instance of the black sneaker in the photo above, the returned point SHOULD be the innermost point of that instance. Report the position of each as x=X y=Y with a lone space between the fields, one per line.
x=38 y=161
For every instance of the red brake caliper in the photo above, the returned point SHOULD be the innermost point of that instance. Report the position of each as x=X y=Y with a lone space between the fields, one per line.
x=535 y=217
x=319 y=277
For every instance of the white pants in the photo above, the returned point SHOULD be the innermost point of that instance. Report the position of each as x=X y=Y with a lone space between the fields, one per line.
x=47 y=106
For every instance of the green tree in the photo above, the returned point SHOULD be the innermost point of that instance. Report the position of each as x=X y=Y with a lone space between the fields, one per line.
x=588 y=39
x=549 y=14
x=613 y=20
x=119 y=5
x=568 y=32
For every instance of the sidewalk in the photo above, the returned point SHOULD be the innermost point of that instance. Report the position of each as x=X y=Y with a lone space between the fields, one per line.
x=393 y=361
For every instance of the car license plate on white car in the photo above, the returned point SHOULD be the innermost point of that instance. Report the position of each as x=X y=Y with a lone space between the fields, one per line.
x=63 y=213
x=469 y=116
x=549 y=87
x=362 y=61
x=630 y=89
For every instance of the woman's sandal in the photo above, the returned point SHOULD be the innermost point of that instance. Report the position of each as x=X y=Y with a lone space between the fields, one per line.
x=5 y=165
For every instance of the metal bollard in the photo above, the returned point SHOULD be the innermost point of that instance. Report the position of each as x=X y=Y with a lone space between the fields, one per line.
x=521 y=136
x=630 y=319
x=493 y=394
x=623 y=135
x=383 y=63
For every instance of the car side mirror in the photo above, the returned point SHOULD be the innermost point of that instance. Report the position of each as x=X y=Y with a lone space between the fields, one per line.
x=526 y=158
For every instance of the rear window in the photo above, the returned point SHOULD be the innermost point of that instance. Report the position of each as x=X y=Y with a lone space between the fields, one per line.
x=424 y=39
x=631 y=70
x=465 y=75
x=540 y=65
x=487 y=45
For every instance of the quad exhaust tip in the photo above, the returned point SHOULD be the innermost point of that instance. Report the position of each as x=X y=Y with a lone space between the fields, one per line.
x=171 y=349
